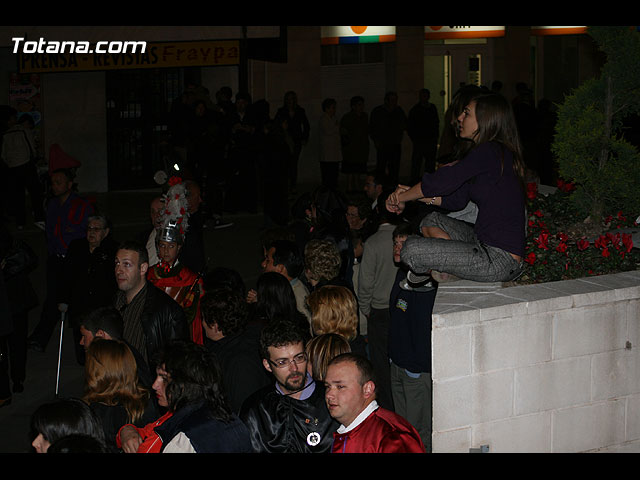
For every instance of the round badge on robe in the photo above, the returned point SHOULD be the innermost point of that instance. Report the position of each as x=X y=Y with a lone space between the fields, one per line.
x=313 y=439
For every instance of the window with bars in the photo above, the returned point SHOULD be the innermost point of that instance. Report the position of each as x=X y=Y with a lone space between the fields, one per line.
x=138 y=122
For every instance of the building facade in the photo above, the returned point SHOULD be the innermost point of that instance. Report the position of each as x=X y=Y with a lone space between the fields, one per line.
x=111 y=111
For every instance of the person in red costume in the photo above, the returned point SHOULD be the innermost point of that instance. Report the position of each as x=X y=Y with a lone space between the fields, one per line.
x=365 y=426
x=176 y=279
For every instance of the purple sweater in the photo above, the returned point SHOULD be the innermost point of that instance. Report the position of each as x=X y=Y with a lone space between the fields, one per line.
x=498 y=195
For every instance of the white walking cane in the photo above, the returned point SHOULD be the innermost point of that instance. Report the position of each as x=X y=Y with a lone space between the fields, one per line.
x=63 y=311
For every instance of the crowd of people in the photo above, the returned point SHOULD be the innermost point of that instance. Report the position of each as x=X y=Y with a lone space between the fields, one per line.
x=331 y=351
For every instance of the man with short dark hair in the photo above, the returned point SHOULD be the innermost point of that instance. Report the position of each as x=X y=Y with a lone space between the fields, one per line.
x=106 y=322
x=290 y=416
x=224 y=320
x=151 y=317
x=365 y=426
x=372 y=188
x=103 y=322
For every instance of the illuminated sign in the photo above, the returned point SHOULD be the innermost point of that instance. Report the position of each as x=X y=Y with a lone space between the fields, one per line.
x=156 y=55
x=344 y=35
x=544 y=30
x=446 y=32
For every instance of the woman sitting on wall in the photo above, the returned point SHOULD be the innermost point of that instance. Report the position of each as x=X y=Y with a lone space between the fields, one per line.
x=491 y=175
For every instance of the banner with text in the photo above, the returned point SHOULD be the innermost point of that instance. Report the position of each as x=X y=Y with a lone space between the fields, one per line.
x=155 y=55
x=447 y=32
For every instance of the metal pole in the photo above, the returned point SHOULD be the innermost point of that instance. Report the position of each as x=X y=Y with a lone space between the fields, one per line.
x=63 y=310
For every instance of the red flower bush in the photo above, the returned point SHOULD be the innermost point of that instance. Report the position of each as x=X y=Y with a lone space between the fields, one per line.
x=551 y=252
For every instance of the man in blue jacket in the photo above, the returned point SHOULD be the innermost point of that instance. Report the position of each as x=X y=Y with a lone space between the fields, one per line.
x=410 y=308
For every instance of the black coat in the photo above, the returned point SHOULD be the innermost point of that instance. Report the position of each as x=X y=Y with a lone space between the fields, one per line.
x=163 y=320
x=88 y=280
x=206 y=433
x=281 y=424
x=241 y=365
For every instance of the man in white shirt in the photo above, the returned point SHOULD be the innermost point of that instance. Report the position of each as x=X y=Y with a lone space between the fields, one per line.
x=350 y=394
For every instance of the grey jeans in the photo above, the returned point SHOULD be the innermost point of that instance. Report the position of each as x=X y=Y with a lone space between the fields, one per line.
x=463 y=256
x=412 y=399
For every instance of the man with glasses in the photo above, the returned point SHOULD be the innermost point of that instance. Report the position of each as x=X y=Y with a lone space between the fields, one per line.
x=290 y=416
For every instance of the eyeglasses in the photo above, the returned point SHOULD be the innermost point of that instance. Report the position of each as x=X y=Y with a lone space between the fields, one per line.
x=94 y=229
x=285 y=362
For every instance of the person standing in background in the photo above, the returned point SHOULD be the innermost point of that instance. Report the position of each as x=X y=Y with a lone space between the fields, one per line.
x=298 y=129
x=329 y=144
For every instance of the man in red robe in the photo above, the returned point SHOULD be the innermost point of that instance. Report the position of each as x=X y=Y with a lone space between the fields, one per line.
x=178 y=281
x=365 y=426
x=169 y=274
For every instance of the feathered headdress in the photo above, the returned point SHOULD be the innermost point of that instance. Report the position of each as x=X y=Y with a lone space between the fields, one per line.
x=175 y=216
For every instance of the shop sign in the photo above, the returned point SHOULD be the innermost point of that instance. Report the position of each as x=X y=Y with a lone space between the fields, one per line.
x=447 y=32
x=557 y=30
x=155 y=55
x=344 y=35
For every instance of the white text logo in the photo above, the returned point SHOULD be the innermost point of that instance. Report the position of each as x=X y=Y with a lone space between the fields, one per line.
x=20 y=45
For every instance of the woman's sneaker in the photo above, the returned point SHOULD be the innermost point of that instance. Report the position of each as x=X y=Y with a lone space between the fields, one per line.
x=418 y=283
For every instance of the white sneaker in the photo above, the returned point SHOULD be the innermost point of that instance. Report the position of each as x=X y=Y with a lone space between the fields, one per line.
x=416 y=280
x=405 y=285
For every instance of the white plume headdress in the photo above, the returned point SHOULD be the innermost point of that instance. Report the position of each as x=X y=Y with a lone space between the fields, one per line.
x=175 y=216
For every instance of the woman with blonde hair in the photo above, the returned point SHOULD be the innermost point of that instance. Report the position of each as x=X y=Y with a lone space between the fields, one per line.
x=334 y=309
x=321 y=349
x=112 y=388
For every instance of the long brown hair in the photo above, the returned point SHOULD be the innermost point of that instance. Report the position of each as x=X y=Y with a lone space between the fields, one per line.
x=111 y=377
x=322 y=349
x=496 y=123
x=334 y=309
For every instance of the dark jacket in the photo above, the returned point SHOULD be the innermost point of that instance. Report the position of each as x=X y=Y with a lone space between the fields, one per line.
x=281 y=424
x=162 y=320
x=206 y=434
x=88 y=280
x=410 y=327
x=241 y=365
x=113 y=417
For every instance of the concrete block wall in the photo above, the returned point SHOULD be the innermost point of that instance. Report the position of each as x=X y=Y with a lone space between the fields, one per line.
x=548 y=368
